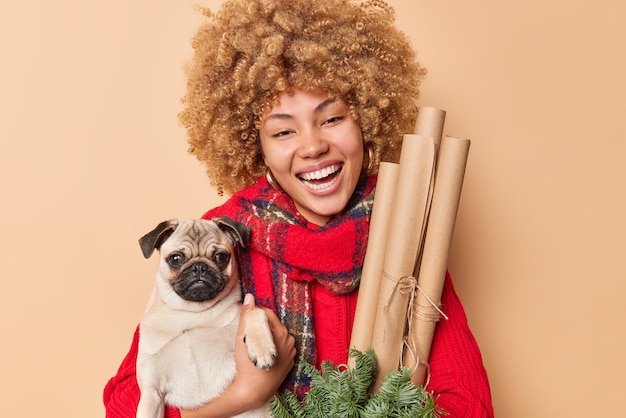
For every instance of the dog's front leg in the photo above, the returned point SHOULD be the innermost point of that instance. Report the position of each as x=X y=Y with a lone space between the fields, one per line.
x=151 y=404
x=261 y=348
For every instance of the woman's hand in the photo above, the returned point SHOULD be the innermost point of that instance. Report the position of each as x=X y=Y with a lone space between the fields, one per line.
x=252 y=386
x=255 y=384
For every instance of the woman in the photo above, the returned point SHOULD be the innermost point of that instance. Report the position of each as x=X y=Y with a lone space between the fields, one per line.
x=292 y=104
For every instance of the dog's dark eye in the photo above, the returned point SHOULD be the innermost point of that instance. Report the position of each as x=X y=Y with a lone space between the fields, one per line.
x=176 y=260
x=221 y=259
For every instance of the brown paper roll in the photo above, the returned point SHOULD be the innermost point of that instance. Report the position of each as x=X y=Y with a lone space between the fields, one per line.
x=429 y=123
x=416 y=169
x=369 y=289
x=431 y=270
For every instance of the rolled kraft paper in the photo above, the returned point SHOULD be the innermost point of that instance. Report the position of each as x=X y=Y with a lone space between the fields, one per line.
x=369 y=289
x=430 y=122
x=416 y=168
x=431 y=271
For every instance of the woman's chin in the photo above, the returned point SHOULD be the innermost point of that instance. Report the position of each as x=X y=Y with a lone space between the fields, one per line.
x=318 y=209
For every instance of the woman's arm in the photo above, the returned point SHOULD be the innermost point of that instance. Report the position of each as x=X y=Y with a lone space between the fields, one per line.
x=251 y=387
x=457 y=372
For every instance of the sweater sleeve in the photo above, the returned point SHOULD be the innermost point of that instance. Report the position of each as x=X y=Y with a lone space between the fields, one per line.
x=121 y=393
x=458 y=376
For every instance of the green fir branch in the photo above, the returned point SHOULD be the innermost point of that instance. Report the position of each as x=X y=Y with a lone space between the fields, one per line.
x=345 y=393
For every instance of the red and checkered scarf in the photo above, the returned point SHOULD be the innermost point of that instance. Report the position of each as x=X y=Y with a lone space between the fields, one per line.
x=286 y=253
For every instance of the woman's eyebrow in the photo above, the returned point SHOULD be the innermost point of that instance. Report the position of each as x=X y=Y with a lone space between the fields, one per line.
x=278 y=116
x=285 y=116
x=324 y=105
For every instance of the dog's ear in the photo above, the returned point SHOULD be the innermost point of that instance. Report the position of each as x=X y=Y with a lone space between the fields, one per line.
x=155 y=238
x=239 y=232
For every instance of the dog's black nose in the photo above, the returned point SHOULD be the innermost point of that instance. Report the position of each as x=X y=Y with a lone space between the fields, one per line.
x=199 y=268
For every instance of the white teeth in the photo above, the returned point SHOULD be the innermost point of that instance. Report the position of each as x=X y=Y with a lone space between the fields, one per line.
x=306 y=178
x=322 y=186
x=320 y=174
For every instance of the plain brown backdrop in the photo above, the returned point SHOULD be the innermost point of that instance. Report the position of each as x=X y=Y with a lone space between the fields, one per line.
x=93 y=157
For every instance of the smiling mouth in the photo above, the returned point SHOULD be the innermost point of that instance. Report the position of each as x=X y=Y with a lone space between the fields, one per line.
x=321 y=179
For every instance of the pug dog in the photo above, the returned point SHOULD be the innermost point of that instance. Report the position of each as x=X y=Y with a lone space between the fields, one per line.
x=186 y=354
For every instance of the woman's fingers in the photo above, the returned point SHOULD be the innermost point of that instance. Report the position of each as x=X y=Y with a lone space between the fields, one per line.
x=251 y=380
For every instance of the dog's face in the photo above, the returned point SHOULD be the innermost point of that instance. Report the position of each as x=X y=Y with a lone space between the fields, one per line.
x=197 y=258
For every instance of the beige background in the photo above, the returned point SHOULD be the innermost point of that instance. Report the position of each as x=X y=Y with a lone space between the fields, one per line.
x=92 y=157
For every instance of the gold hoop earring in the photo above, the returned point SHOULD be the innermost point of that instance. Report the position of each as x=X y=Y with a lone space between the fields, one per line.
x=367 y=169
x=271 y=179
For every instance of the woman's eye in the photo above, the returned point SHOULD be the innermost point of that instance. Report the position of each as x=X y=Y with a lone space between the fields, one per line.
x=175 y=260
x=333 y=120
x=281 y=134
x=221 y=259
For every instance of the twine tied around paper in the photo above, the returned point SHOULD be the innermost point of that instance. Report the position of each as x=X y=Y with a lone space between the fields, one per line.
x=428 y=316
x=405 y=285
x=408 y=285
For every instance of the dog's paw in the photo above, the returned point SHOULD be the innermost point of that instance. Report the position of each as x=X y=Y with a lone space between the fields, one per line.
x=258 y=338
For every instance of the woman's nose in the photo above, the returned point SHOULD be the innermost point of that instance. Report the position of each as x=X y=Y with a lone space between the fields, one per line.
x=312 y=144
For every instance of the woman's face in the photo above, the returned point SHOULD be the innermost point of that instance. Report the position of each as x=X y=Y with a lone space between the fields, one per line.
x=315 y=150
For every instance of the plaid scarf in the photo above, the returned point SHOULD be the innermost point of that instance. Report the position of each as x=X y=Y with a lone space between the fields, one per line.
x=286 y=254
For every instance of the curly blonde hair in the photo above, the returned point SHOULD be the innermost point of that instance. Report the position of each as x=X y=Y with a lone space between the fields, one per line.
x=251 y=50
